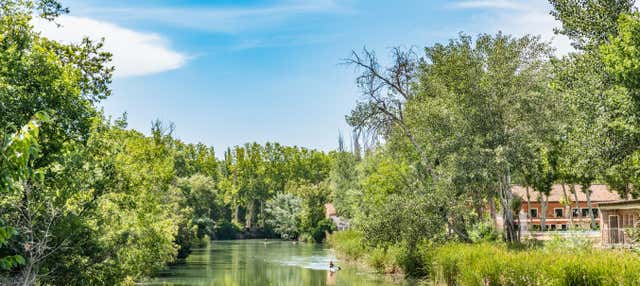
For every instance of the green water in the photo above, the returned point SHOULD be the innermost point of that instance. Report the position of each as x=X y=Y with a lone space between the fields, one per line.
x=259 y=262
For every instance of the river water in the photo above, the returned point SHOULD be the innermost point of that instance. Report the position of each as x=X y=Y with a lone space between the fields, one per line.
x=260 y=262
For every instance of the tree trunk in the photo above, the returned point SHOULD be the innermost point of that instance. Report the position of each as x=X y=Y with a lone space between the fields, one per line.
x=528 y=207
x=506 y=199
x=250 y=214
x=575 y=195
x=262 y=214
x=543 y=209
x=567 y=205
x=492 y=211
x=587 y=192
x=478 y=205
x=236 y=211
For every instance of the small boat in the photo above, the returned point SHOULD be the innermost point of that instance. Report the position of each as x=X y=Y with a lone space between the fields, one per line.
x=334 y=268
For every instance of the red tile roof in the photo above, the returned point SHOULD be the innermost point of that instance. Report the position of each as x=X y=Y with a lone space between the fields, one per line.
x=599 y=193
x=329 y=210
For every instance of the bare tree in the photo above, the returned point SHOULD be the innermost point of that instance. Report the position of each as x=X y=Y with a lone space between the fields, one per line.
x=386 y=92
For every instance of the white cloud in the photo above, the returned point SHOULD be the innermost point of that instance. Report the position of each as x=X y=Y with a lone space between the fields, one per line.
x=134 y=53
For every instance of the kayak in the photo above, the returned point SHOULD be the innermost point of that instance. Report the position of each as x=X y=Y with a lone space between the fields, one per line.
x=334 y=268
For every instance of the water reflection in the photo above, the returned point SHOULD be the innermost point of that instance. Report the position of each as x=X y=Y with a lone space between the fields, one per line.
x=258 y=262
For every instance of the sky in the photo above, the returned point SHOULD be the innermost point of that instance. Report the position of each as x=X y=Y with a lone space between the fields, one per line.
x=230 y=72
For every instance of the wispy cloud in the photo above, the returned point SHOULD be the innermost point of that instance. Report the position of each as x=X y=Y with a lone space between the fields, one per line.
x=285 y=40
x=220 y=19
x=488 y=4
x=134 y=53
x=517 y=17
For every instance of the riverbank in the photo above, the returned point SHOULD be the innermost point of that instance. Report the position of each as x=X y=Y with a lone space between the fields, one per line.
x=348 y=246
x=557 y=262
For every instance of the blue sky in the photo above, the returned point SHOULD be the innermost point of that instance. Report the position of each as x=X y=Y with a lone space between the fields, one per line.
x=230 y=72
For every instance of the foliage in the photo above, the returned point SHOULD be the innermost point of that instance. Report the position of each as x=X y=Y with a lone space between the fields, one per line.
x=18 y=152
x=224 y=229
x=484 y=231
x=313 y=223
x=283 y=212
x=571 y=242
x=85 y=201
x=349 y=243
x=201 y=196
x=343 y=180
x=404 y=219
x=589 y=23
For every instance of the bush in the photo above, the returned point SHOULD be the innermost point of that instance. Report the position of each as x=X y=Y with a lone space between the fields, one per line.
x=384 y=260
x=394 y=258
x=319 y=232
x=348 y=243
x=484 y=231
x=570 y=242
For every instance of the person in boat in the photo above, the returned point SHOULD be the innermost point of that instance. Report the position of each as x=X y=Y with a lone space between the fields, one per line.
x=333 y=267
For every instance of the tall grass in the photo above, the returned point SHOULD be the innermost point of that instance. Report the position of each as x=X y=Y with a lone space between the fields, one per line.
x=491 y=264
x=348 y=243
x=560 y=262
x=392 y=259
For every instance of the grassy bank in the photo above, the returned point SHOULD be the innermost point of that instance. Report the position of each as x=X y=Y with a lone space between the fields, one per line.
x=350 y=247
x=493 y=263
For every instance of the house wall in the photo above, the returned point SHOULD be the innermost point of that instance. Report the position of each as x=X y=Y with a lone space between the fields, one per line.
x=552 y=219
x=627 y=218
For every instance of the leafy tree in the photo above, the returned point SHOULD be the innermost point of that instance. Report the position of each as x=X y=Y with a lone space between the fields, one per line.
x=480 y=102
x=18 y=153
x=201 y=196
x=38 y=74
x=313 y=224
x=406 y=220
x=283 y=215
x=589 y=22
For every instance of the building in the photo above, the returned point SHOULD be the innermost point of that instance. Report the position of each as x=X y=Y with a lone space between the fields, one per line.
x=330 y=213
x=561 y=213
x=617 y=217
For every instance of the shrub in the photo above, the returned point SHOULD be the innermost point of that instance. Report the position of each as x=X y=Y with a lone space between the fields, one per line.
x=347 y=243
x=484 y=231
x=306 y=237
x=384 y=260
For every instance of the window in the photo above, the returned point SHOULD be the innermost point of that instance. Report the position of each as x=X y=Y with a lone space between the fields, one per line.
x=576 y=212
x=558 y=212
x=533 y=213
x=585 y=212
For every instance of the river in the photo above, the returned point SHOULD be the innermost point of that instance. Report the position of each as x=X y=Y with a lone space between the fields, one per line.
x=260 y=262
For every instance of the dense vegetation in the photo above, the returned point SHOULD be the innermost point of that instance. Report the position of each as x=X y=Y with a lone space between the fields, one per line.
x=456 y=124
x=86 y=201
x=439 y=137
